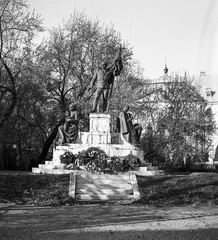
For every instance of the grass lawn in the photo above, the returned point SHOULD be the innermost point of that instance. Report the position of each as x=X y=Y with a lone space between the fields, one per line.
x=174 y=190
x=161 y=191
x=32 y=189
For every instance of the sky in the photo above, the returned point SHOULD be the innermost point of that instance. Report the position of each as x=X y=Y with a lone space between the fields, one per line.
x=181 y=33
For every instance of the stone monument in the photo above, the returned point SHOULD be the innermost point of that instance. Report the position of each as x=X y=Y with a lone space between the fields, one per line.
x=99 y=134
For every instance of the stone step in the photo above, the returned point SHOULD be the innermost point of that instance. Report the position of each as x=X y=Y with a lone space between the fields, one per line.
x=36 y=170
x=103 y=197
x=104 y=187
x=50 y=171
x=104 y=191
x=52 y=166
x=66 y=171
x=104 y=181
x=95 y=176
x=96 y=185
x=48 y=163
x=43 y=166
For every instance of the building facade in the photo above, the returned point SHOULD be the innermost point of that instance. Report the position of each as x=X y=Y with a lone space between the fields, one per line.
x=210 y=92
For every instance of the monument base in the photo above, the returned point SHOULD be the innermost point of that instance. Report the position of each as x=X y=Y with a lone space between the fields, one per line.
x=98 y=136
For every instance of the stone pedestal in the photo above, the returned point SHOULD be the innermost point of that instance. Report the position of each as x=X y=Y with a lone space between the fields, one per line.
x=99 y=122
x=99 y=136
x=99 y=129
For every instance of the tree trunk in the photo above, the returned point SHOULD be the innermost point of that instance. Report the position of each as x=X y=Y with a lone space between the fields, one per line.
x=48 y=143
x=2 y=163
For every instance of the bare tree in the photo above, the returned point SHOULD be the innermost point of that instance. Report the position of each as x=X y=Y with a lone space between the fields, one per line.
x=17 y=30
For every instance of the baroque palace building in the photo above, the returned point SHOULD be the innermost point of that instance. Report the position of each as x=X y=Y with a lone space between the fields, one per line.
x=207 y=95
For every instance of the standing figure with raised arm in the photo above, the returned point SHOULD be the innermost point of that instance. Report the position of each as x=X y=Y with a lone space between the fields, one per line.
x=104 y=76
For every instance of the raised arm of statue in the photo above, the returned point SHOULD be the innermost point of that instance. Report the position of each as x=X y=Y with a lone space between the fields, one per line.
x=94 y=79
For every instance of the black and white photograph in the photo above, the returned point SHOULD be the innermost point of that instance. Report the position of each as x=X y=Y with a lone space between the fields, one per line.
x=108 y=119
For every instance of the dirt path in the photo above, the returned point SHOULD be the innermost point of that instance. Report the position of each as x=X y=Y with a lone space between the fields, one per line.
x=108 y=222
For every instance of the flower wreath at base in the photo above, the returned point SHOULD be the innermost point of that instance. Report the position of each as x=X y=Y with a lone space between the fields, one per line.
x=96 y=160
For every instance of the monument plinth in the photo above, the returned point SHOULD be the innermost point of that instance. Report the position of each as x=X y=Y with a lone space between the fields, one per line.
x=99 y=125
x=100 y=136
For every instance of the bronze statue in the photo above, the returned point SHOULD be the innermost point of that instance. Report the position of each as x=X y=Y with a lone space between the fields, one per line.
x=104 y=77
x=130 y=132
x=68 y=132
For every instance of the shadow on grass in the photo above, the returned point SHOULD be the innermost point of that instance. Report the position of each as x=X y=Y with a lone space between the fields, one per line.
x=53 y=190
x=100 y=222
x=145 y=181
x=182 y=190
x=35 y=189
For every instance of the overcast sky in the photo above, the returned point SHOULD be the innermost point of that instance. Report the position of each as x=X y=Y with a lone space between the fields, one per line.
x=182 y=32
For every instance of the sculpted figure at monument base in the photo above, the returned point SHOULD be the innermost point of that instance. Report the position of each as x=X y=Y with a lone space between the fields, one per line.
x=131 y=132
x=68 y=132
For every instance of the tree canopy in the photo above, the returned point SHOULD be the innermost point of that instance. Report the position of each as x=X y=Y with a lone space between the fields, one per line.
x=40 y=80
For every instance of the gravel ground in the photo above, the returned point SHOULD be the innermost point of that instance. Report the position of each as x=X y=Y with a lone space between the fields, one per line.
x=110 y=221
